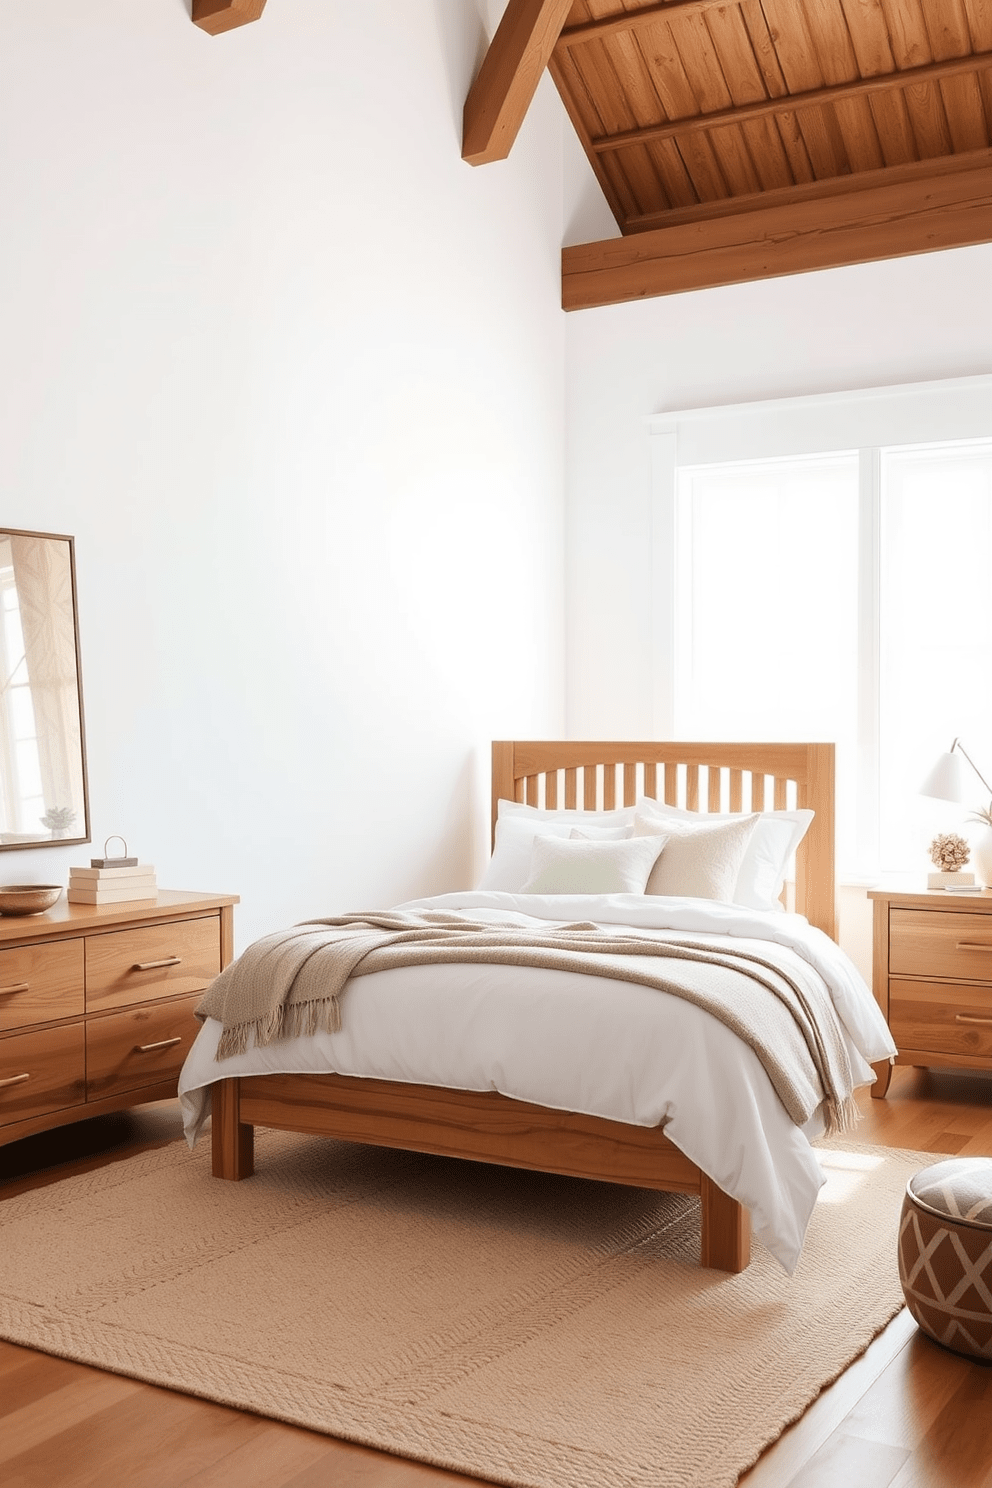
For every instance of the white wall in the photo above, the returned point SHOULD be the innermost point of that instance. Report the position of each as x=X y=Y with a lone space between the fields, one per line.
x=908 y=320
x=292 y=374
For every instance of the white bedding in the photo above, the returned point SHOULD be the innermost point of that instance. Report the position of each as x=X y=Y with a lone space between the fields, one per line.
x=584 y=1043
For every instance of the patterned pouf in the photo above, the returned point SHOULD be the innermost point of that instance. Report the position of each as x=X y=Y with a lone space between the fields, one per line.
x=945 y=1253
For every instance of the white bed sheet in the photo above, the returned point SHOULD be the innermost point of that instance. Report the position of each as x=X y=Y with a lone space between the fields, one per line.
x=584 y=1043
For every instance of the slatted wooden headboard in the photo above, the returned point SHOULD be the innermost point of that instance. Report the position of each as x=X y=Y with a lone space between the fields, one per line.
x=699 y=777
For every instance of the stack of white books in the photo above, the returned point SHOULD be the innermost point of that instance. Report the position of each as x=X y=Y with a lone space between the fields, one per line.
x=112 y=885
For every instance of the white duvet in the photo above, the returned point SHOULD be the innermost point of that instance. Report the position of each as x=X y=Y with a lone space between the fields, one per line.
x=584 y=1043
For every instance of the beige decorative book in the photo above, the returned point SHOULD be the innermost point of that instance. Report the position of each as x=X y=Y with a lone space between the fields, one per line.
x=121 y=893
x=145 y=890
x=139 y=881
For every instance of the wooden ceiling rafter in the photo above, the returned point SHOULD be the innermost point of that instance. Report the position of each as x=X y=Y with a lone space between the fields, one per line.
x=789 y=103
x=217 y=16
x=634 y=20
x=918 y=171
x=507 y=80
x=947 y=208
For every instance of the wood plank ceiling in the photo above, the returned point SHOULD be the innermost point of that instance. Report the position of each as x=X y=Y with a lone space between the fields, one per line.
x=697 y=100
x=739 y=140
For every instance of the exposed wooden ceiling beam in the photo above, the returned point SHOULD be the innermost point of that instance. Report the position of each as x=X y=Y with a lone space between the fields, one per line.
x=507 y=80
x=919 y=171
x=949 y=209
x=216 y=16
x=633 y=20
x=788 y=103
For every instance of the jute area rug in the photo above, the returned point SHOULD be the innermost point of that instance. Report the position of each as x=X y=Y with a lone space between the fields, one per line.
x=526 y=1329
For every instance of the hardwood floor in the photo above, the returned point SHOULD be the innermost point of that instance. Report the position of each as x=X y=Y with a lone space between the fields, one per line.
x=907 y=1414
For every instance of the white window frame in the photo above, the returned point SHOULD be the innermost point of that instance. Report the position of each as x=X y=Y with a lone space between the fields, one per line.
x=868 y=421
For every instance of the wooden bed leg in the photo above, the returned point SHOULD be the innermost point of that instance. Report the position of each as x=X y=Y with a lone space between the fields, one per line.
x=726 y=1233
x=883 y=1074
x=233 y=1142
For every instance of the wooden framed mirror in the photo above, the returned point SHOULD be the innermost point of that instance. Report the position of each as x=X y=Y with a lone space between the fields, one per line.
x=44 y=799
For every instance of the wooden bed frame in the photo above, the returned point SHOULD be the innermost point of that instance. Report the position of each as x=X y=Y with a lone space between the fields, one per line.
x=490 y=1127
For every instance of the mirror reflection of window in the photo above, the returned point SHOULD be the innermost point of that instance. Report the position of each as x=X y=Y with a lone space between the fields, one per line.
x=22 y=803
x=42 y=784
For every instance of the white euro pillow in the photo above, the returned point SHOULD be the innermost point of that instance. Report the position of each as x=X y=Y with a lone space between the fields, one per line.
x=590 y=833
x=509 y=867
x=699 y=861
x=582 y=866
x=623 y=816
x=769 y=853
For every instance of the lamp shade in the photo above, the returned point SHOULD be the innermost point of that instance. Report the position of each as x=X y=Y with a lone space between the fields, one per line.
x=946 y=780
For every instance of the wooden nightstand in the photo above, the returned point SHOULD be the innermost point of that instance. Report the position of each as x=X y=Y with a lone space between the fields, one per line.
x=932 y=977
x=96 y=1004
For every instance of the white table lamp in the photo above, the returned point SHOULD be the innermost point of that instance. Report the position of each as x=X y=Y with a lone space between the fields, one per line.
x=947 y=782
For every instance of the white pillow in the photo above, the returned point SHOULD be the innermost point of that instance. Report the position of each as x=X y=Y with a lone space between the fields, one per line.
x=623 y=816
x=590 y=833
x=570 y=866
x=769 y=852
x=509 y=866
x=702 y=862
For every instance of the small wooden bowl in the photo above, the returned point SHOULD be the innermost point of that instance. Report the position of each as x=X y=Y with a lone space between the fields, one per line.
x=28 y=899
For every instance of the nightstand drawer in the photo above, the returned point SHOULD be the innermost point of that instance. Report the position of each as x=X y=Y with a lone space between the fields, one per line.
x=146 y=1044
x=129 y=966
x=941 y=1018
x=40 y=1072
x=935 y=943
x=41 y=982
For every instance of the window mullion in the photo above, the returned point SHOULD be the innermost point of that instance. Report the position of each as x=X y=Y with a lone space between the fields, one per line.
x=869 y=661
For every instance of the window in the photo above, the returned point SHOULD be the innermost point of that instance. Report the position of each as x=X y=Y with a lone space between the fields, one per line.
x=935 y=637
x=838 y=594
x=759 y=545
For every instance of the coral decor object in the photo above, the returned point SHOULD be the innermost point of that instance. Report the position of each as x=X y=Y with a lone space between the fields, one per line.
x=949 y=852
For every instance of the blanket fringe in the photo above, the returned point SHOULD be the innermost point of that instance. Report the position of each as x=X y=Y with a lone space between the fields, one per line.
x=288 y=1021
x=842 y=1117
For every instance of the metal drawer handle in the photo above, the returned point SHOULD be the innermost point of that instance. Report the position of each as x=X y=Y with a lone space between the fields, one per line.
x=14 y=1080
x=974 y=945
x=162 y=1044
x=969 y=1018
x=154 y=965
x=17 y=987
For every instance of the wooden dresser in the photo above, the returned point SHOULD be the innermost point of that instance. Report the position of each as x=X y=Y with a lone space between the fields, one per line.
x=96 y=1004
x=932 y=977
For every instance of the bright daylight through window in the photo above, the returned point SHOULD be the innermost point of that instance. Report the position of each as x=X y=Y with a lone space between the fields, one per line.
x=842 y=596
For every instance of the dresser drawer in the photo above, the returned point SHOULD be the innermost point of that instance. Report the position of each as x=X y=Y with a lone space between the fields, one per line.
x=54 y=1061
x=129 y=966
x=941 y=1018
x=936 y=943
x=41 y=982
x=139 y=1047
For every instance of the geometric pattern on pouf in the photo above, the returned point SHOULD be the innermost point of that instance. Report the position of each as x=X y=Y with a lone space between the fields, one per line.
x=945 y=1253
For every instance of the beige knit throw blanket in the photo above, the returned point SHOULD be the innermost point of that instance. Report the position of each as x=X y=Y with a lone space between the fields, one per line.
x=290 y=984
